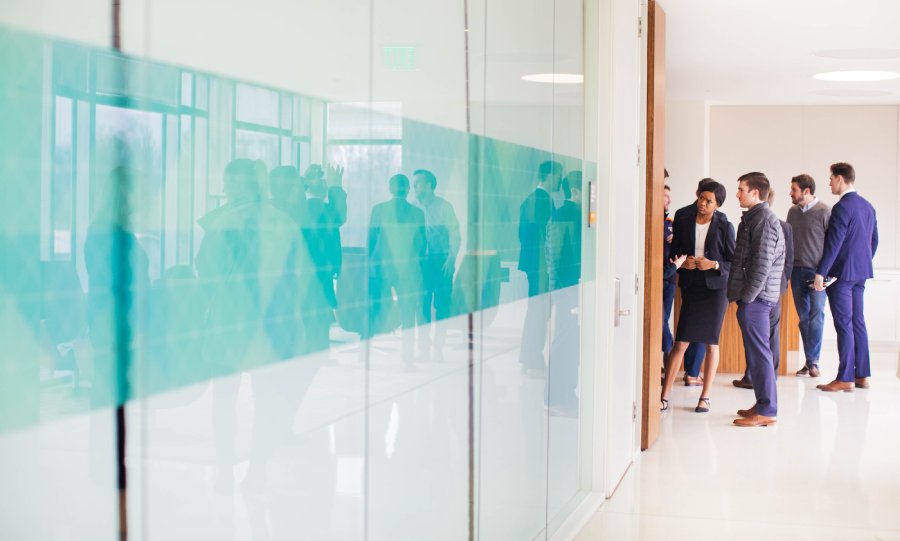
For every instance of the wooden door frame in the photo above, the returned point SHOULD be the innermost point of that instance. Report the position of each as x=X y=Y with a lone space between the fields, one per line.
x=653 y=231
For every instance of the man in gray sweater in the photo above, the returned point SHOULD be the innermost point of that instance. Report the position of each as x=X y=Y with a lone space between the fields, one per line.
x=809 y=221
x=755 y=284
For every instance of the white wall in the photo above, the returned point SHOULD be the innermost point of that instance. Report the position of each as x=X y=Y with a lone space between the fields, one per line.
x=687 y=150
x=783 y=141
x=786 y=141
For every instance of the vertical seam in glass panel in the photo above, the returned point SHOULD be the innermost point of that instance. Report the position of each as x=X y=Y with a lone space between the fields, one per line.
x=367 y=345
x=479 y=229
x=164 y=169
x=470 y=322
x=73 y=166
x=120 y=259
x=549 y=297
x=52 y=229
x=145 y=429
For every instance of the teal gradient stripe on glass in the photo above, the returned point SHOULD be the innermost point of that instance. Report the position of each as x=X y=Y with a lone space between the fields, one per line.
x=163 y=227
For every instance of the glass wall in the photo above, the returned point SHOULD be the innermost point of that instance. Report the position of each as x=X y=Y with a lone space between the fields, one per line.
x=298 y=271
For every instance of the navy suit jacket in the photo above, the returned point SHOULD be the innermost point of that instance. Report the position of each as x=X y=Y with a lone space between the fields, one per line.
x=850 y=240
x=534 y=215
x=719 y=247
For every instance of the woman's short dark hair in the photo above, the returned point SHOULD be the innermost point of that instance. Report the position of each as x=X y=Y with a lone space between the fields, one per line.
x=717 y=190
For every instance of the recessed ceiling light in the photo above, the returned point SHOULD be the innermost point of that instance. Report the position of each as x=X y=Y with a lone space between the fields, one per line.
x=859 y=54
x=557 y=78
x=857 y=76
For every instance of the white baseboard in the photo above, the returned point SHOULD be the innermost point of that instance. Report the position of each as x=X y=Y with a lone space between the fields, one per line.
x=579 y=518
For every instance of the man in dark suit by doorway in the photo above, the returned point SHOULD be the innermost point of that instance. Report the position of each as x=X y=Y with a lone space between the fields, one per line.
x=534 y=215
x=850 y=243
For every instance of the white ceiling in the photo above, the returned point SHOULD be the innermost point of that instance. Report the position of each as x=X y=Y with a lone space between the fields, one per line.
x=751 y=52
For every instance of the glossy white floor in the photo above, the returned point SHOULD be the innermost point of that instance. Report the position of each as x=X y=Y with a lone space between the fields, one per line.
x=348 y=444
x=830 y=469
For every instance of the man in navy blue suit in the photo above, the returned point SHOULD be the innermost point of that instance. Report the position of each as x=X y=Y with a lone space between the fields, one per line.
x=850 y=244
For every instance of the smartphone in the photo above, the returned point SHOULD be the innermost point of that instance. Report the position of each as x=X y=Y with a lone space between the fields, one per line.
x=828 y=281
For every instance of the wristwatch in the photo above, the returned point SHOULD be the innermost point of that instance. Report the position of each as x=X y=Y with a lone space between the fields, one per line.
x=717 y=266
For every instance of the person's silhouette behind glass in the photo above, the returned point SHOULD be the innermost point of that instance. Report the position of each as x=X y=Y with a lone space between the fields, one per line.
x=564 y=255
x=250 y=265
x=396 y=247
x=442 y=246
x=326 y=212
x=534 y=215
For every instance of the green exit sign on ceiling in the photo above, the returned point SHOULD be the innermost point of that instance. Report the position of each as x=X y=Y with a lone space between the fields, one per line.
x=399 y=57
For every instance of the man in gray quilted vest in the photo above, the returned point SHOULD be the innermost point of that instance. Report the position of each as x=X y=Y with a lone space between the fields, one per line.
x=755 y=285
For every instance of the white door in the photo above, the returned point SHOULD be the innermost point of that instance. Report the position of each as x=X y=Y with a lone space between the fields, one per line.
x=627 y=219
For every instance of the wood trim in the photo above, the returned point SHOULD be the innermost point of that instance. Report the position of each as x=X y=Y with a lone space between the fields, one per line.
x=731 y=342
x=653 y=231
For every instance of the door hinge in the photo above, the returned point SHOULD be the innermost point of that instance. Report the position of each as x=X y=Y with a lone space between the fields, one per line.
x=637 y=283
x=639 y=155
x=634 y=411
x=640 y=27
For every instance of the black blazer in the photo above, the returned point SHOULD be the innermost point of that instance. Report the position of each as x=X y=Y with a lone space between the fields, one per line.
x=719 y=247
x=534 y=215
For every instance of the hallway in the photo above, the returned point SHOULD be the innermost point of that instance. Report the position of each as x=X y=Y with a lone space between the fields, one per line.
x=828 y=471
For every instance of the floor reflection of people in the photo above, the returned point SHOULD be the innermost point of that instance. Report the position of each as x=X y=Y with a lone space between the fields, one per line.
x=564 y=246
x=442 y=246
x=249 y=264
x=396 y=250
x=534 y=215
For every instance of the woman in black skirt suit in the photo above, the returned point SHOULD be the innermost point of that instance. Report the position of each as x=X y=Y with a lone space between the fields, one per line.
x=702 y=248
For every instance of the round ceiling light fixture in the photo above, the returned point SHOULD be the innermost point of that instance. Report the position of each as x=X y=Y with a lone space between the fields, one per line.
x=857 y=76
x=555 y=78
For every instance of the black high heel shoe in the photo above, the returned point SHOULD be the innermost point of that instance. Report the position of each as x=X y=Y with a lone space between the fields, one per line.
x=665 y=404
x=700 y=408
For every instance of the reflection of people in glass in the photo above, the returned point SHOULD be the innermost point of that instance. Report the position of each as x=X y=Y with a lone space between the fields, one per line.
x=396 y=251
x=248 y=263
x=442 y=246
x=322 y=221
x=564 y=252
x=534 y=215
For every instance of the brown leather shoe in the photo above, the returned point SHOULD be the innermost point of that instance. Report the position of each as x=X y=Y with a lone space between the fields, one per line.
x=862 y=383
x=755 y=420
x=814 y=371
x=742 y=383
x=836 y=386
x=747 y=413
x=693 y=382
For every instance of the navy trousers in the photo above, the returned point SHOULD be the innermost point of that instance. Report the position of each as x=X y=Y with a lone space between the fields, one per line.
x=846 y=300
x=774 y=340
x=693 y=359
x=668 y=301
x=754 y=320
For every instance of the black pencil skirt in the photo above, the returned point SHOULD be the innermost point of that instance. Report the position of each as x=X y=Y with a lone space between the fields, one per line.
x=701 y=315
